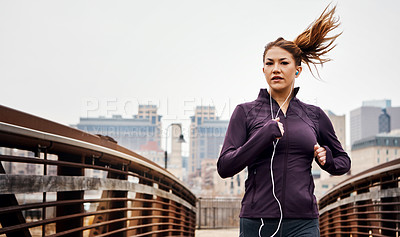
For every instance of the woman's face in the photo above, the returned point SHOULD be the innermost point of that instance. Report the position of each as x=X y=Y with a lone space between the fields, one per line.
x=280 y=70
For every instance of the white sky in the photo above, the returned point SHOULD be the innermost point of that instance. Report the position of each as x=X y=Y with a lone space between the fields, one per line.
x=62 y=60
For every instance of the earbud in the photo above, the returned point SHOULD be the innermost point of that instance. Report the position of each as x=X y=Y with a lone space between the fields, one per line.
x=297 y=72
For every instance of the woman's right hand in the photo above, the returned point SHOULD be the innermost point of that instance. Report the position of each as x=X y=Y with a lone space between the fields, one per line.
x=280 y=125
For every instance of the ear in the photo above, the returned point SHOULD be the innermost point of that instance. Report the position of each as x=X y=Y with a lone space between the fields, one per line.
x=298 y=69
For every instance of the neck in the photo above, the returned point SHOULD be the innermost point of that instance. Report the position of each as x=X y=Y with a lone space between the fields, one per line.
x=283 y=104
x=280 y=98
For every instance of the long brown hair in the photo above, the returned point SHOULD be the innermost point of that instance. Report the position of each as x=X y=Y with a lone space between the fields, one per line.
x=312 y=45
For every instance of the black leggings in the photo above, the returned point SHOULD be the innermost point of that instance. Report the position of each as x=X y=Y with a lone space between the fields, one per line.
x=249 y=227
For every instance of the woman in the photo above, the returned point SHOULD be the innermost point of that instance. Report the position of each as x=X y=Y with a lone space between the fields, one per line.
x=277 y=137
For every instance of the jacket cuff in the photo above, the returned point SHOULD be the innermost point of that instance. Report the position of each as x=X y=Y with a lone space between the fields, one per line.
x=329 y=158
x=273 y=128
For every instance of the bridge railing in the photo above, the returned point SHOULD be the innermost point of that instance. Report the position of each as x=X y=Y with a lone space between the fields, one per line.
x=130 y=196
x=218 y=212
x=367 y=204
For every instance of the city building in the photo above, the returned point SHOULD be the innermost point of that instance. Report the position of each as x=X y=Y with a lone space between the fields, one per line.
x=384 y=122
x=208 y=169
x=175 y=161
x=207 y=134
x=372 y=151
x=322 y=185
x=233 y=186
x=394 y=113
x=364 y=121
x=131 y=133
x=149 y=112
x=210 y=184
x=141 y=134
x=339 y=124
x=153 y=152
x=377 y=103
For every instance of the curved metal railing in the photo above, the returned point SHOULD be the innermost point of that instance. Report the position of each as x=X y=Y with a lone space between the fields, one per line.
x=367 y=204
x=132 y=197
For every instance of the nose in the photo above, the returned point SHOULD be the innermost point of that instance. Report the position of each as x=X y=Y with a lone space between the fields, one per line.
x=276 y=68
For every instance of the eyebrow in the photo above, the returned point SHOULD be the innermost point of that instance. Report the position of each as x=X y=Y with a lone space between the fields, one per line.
x=281 y=59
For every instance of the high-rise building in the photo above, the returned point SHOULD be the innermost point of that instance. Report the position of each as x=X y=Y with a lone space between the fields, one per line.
x=377 y=103
x=131 y=133
x=207 y=134
x=394 y=113
x=384 y=122
x=339 y=124
x=369 y=152
x=149 y=112
x=364 y=121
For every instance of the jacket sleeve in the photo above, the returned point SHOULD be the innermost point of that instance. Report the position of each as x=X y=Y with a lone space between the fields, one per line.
x=238 y=151
x=337 y=160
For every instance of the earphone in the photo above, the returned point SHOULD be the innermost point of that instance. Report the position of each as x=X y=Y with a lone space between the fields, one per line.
x=275 y=143
x=297 y=73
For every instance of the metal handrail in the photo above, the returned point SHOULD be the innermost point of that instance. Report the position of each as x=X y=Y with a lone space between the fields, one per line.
x=366 y=204
x=162 y=204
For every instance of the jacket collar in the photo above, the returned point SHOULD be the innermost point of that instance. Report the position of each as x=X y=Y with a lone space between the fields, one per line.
x=264 y=95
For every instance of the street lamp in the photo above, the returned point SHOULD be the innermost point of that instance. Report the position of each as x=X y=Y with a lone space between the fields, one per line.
x=180 y=140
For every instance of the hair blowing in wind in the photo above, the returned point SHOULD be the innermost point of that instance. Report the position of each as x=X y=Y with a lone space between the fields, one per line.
x=314 y=42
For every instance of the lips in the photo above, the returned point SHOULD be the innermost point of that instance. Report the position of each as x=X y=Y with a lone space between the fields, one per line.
x=275 y=78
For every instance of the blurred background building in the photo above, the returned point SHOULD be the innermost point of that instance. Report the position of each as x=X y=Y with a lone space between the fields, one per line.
x=365 y=121
x=207 y=133
x=132 y=133
x=375 y=150
x=375 y=134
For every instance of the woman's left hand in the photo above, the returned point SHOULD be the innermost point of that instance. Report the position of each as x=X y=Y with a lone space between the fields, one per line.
x=320 y=154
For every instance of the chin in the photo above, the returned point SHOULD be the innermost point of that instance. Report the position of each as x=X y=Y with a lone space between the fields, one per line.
x=279 y=87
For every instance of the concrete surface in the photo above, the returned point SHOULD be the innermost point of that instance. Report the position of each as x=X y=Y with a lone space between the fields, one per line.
x=217 y=233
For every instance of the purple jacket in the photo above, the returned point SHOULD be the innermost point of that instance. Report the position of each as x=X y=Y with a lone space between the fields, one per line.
x=248 y=143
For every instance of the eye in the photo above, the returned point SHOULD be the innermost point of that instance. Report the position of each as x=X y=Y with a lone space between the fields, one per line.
x=285 y=63
x=268 y=63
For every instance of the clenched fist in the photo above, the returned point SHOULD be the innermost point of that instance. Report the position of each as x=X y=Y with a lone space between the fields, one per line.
x=280 y=125
x=320 y=154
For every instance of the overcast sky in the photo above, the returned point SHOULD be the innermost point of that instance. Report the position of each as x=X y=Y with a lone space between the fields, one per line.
x=62 y=60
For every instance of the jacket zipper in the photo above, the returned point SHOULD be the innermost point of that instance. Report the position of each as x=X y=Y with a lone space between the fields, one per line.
x=285 y=163
x=255 y=187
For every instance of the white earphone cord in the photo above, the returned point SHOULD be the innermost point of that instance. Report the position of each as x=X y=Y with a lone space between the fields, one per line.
x=275 y=143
